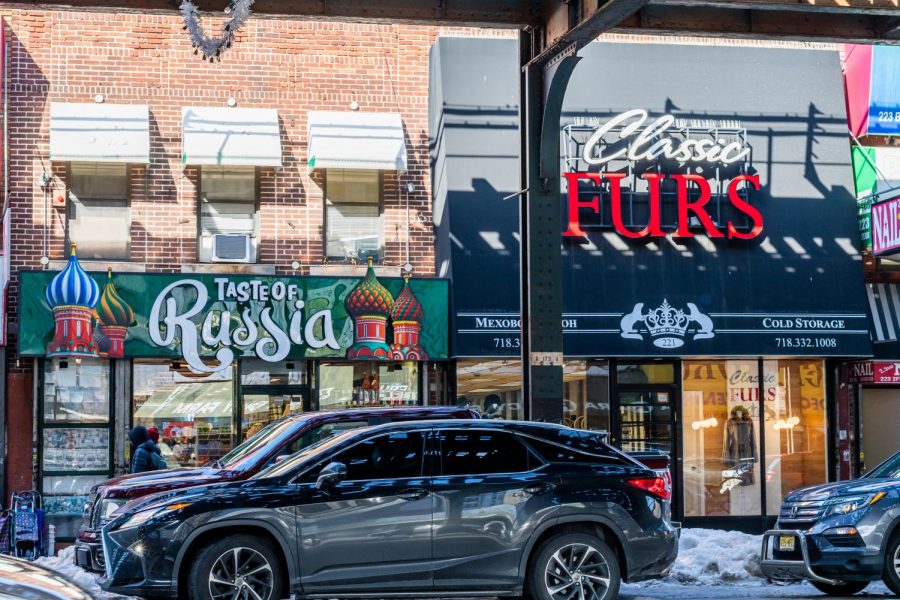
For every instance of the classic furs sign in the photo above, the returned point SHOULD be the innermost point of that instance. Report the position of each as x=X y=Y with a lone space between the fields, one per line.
x=649 y=177
x=209 y=320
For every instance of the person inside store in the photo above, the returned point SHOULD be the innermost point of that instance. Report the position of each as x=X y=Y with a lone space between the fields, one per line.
x=493 y=407
x=146 y=455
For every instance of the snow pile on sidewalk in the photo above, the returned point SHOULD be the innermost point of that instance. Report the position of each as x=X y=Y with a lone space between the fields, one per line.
x=64 y=564
x=710 y=556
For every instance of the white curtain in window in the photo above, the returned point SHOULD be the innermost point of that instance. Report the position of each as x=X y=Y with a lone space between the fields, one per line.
x=353 y=219
x=99 y=220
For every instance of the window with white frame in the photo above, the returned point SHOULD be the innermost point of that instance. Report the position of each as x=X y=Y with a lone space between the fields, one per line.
x=99 y=219
x=229 y=222
x=353 y=214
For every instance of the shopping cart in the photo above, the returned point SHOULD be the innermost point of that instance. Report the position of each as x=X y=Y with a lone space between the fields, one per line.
x=28 y=524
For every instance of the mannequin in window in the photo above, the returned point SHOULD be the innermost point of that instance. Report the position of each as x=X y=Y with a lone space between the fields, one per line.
x=739 y=449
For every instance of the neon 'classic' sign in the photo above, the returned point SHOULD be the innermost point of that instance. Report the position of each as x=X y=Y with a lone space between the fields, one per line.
x=694 y=149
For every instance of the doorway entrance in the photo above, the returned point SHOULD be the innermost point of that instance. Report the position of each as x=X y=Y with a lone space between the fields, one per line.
x=645 y=402
x=270 y=391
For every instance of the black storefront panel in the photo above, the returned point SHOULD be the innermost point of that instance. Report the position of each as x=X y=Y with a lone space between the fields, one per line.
x=795 y=289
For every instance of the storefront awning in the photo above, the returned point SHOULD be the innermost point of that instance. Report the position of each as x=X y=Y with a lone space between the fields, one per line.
x=884 y=304
x=231 y=136
x=99 y=132
x=356 y=140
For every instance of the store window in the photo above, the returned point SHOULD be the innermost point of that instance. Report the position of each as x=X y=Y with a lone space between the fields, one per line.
x=795 y=427
x=353 y=215
x=586 y=394
x=261 y=372
x=193 y=412
x=229 y=222
x=720 y=433
x=493 y=387
x=350 y=385
x=650 y=373
x=99 y=219
x=75 y=451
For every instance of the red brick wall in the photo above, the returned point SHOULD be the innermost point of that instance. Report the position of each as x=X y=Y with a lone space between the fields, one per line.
x=293 y=66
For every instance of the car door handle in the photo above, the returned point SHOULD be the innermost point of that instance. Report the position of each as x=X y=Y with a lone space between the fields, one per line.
x=538 y=488
x=412 y=494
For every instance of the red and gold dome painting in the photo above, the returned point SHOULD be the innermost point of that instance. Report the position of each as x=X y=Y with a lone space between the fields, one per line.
x=407 y=307
x=369 y=297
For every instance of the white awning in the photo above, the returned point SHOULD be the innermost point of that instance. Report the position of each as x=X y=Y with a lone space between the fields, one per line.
x=99 y=132
x=356 y=140
x=230 y=136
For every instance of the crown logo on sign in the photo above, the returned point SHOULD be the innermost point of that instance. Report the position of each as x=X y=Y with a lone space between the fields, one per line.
x=666 y=326
x=665 y=321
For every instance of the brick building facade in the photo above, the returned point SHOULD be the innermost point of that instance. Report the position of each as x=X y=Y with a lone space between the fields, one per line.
x=128 y=59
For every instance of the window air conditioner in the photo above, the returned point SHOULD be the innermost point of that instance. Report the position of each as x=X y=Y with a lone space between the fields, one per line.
x=231 y=247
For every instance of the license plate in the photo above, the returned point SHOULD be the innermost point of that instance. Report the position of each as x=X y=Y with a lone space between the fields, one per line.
x=786 y=543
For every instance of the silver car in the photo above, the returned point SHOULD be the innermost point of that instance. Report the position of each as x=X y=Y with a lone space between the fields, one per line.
x=839 y=536
x=22 y=580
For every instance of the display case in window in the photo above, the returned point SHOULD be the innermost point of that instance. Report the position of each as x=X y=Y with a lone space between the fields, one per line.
x=76 y=437
x=366 y=384
x=76 y=449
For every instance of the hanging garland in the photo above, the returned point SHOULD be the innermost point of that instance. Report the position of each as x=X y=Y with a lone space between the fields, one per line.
x=213 y=47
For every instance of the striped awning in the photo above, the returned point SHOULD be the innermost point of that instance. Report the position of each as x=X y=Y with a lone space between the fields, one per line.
x=884 y=304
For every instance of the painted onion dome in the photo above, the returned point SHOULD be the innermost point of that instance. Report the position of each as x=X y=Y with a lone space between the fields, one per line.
x=112 y=310
x=407 y=307
x=72 y=286
x=369 y=297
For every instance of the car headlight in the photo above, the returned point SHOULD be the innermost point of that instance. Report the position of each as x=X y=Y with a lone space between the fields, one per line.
x=849 y=504
x=108 y=506
x=139 y=518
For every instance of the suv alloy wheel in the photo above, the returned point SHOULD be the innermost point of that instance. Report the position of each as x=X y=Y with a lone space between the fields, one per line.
x=237 y=566
x=892 y=563
x=574 y=565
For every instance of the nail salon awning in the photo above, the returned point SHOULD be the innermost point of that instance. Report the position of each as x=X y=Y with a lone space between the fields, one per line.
x=231 y=136
x=99 y=132
x=356 y=140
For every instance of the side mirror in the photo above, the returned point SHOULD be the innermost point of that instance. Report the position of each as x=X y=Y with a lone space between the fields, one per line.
x=331 y=475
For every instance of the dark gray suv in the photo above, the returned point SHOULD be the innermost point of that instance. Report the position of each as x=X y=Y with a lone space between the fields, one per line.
x=419 y=509
x=839 y=536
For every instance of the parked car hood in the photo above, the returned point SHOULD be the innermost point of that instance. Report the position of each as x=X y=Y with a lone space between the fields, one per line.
x=842 y=488
x=210 y=497
x=141 y=484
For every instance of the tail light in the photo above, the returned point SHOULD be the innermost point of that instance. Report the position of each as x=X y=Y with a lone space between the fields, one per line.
x=654 y=485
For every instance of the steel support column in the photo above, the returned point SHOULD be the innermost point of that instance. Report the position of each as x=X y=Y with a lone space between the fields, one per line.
x=543 y=88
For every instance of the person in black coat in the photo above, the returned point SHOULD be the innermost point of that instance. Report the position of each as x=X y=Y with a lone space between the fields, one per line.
x=146 y=455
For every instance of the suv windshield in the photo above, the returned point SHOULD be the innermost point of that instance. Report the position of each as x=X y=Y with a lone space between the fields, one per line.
x=268 y=435
x=889 y=469
x=310 y=453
